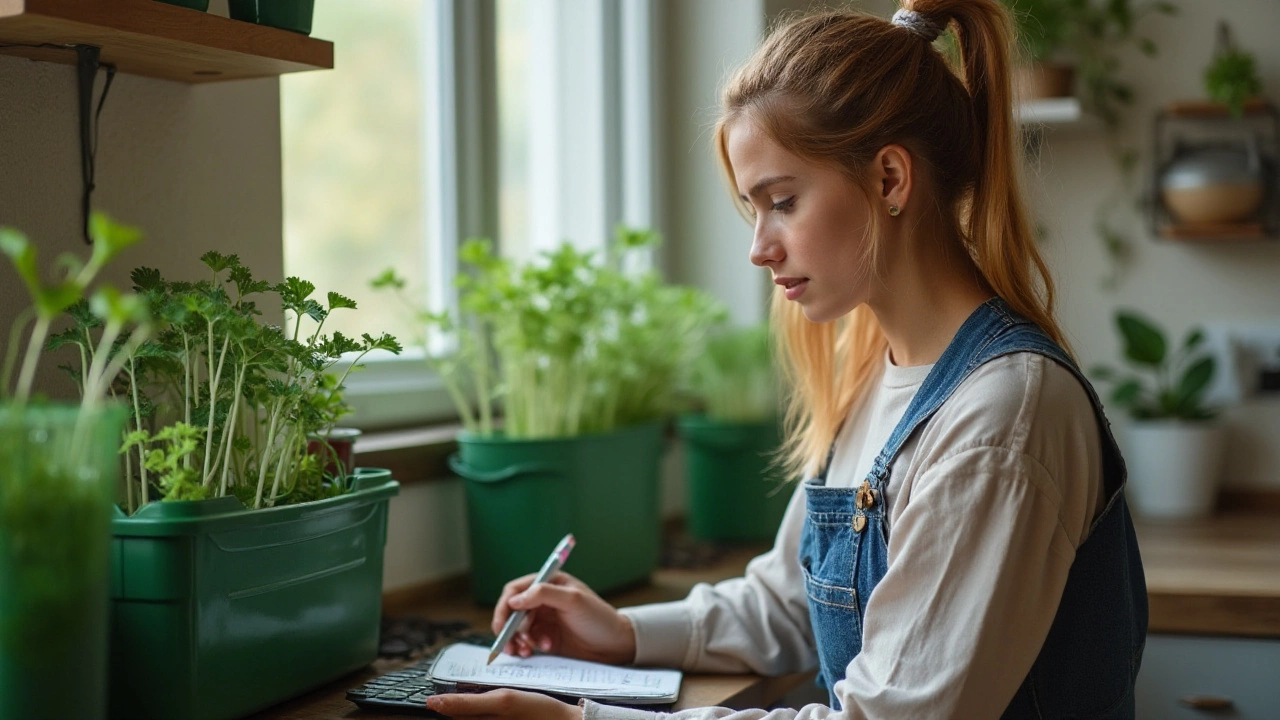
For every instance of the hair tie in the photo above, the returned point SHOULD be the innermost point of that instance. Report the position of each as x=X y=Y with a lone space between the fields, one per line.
x=918 y=24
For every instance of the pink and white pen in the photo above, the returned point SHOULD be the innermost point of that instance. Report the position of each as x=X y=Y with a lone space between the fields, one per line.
x=549 y=568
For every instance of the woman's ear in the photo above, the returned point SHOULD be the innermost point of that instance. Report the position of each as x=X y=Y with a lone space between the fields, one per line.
x=892 y=166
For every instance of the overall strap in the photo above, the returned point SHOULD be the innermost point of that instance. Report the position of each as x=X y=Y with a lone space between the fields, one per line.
x=991 y=331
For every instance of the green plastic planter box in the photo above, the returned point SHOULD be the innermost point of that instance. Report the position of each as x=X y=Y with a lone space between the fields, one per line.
x=218 y=611
x=734 y=494
x=524 y=495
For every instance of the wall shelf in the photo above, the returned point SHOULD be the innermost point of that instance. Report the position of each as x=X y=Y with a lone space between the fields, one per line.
x=1195 y=125
x=1052 y=112
x=159 y=40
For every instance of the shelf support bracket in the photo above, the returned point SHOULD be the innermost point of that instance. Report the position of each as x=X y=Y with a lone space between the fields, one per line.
x=87 y=65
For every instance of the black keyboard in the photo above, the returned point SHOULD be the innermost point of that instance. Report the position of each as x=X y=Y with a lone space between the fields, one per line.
x=403 y=691
x=406 y=690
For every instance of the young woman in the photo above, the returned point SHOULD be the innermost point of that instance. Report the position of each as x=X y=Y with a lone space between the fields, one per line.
x=960 y=547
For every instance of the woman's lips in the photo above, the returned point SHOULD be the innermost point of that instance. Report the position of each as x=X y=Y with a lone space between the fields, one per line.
x=793 y=287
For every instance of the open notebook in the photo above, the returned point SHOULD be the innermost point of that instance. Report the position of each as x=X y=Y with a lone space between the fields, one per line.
x=463 y=665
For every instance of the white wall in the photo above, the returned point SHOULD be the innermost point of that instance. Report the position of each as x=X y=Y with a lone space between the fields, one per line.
x=1176 y=284
x=197 y=167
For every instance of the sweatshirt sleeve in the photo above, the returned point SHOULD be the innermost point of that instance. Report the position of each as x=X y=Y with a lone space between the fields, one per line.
x=756 y=623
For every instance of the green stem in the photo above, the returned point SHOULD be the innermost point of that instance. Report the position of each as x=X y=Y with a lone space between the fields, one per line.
x=215 y=378
x=137 y=418
x=11 y=352
x=265 y=459
x=229 y=431
x=28 y=373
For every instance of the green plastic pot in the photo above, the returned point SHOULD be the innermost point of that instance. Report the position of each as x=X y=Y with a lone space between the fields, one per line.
x=524 y=495
x=292 y=15
x=201 y=5
x=734 y=494
x=218 y=611
x=57 y=485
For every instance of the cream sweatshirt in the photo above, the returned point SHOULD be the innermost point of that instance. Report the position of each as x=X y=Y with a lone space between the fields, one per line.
x=987 y=503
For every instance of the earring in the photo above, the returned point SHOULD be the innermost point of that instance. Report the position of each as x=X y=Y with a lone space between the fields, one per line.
x=894 y=210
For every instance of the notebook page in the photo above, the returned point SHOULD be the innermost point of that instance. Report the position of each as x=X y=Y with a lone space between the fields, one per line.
x=463 y=663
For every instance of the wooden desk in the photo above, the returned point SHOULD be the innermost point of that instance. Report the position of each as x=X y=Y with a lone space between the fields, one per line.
x=1219 y=576
x=735 y=691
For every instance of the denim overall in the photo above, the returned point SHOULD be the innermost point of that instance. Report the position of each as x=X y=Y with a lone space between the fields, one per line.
x=1090 y=658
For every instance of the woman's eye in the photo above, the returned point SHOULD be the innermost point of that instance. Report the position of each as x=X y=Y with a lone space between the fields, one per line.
x=784 y=205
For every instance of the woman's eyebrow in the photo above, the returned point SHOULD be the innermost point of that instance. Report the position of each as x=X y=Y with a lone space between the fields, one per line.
x=760 y=187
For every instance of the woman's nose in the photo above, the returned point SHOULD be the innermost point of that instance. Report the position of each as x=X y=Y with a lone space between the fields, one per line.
x=765 y=248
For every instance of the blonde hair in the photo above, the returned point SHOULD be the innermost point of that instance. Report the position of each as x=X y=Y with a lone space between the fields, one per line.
x=836 y=87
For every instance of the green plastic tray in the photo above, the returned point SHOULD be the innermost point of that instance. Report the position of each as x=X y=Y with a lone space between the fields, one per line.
x=218 y=611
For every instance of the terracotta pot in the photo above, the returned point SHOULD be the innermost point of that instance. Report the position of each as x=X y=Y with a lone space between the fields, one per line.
x=1039 y=81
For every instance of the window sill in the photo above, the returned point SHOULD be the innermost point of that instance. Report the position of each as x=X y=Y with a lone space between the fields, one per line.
x=413 y=455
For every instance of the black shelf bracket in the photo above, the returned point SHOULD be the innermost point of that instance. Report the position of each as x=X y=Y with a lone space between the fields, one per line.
x=87 y=66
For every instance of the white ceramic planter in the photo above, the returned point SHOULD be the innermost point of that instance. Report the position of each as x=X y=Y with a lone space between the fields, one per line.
x=1174 y=468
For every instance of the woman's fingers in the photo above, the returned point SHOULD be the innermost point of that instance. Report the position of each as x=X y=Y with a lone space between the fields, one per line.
x=502 y=610
x=504 y=703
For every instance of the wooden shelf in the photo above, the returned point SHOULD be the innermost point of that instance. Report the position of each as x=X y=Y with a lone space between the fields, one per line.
x=1051 y=111
x=1208 y=109
x=1214 y=233
x=156 y=39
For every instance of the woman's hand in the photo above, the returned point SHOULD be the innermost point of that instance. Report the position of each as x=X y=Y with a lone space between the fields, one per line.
x=504 y=703
x=565 y=617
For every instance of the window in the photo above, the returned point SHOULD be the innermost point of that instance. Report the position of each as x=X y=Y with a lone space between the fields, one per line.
x=353 y=157
x=526 y=121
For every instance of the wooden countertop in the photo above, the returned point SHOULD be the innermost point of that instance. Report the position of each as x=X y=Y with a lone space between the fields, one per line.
x=734 y=691
x=1219 y=576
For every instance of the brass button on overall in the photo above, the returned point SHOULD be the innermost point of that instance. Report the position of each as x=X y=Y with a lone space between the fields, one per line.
x=866 y=497
x=859 y=522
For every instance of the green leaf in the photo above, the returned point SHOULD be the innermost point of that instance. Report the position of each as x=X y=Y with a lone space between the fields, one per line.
x=1148 y=47
x=340 y=301
x=1126 y=392
x=145 y=278
x=1143 y=342
x=54 y=299
x=109 y=237
x=388 y=279
x=1103 y=373
x=1195 y=380
x=15 y=244
x=1195 y=337
x=294 y=291
x=218 y=262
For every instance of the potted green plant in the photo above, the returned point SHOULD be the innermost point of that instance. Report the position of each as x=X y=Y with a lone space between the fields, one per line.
x=1043 y=27
x=1173 y=446
x=244 y=575
x=730 y=444
x=1231 y=78
x=58 y=473
x=583 y=361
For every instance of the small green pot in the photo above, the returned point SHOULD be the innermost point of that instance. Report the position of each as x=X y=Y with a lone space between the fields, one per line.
x=524 y=495
x=292 y=15
x=58 y=477
x=734 y=494
x=201 y=5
